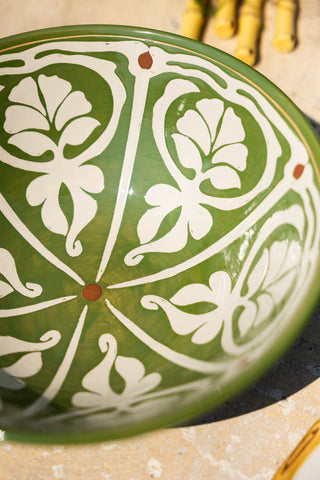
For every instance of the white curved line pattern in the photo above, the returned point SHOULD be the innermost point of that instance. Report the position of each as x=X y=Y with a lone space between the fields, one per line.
x=183 y=76
x=278 y=192
x=177 y=358
x=62 y=372
x=35 y=243
x=15 y=312
x=139 y=99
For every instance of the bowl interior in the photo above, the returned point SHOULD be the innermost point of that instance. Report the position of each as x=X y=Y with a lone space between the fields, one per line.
x=159 y=230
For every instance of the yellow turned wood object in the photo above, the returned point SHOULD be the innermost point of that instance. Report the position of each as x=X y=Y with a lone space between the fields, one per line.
x=299 y=456
x=225 y=18
x=285 y=36
x=249 y=29
x=193 y=19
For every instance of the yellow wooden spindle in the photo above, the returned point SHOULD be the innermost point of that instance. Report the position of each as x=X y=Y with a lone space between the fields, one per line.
x=249 y=30
x=285 y=35
x=193 y=19
x=225 y=18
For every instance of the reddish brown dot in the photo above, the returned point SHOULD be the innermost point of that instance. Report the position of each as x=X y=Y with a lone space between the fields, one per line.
x=243 y=363
x=92 y=292
x=298 y=170
x=145 y=60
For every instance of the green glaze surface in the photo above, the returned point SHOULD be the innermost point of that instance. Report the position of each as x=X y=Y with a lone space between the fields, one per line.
x=159 y=231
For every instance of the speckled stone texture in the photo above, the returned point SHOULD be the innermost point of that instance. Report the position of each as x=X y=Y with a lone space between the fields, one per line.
x=248 y=438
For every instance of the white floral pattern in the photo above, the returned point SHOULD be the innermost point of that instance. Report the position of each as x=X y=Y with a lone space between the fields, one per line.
x=267 y=285
x=203 y=158
x=269 y=282
x=204 y=326
x=216 y=132
x=9 y=272
x=29 y=364
x=97 y=381
x=61 y=108
x=209 y=131
x=193 y=217
x=29 y=121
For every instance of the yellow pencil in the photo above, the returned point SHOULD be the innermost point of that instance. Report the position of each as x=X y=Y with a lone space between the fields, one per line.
x=249 y=29
x=193 y=19
x=285 y=35
x=225 y=18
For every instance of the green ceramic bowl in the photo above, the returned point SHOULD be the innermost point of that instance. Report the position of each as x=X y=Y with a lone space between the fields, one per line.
x=159 y=242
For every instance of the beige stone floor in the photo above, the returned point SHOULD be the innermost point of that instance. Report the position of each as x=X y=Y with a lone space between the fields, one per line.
x=248 y=438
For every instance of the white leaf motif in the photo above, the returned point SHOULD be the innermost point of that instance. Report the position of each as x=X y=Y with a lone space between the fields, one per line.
x=258 y=273
x=280 y=287
x=199 y=220
x=9 y=271
x=50 y=104
x=211 y=109
x=173 y=241
x=193 y=219
x=29 y=364
x=204 y=325
x=97 y=381
x=208 y=132
x=54 y=90
x=43 y=190
x=21 y=117
x=223 y=178
x=78 y=131
x=209 y=329
x=235 y=155
x=181 y=322
x=192 y=125
x=231 y=130
x=85 y=208
x=150 y=222
x=285 y=262
x=217 y=292
x=269 y=282
x=133 y=372
x=165 y=199
x=213 y=131
x=161 y=194
x=187 y=152
x=74 y=105
x=89 y=177
x=277 y=255
x=265 y=307
x=10 y=344
x=32 y=143
x=190 y=294
x=221 y=286
x=247 y=318
x=26 y=93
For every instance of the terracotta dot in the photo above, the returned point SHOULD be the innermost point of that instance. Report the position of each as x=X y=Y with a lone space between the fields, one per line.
x=92 y=292
x=243 y=363
x=145 y=60
x=298 y=170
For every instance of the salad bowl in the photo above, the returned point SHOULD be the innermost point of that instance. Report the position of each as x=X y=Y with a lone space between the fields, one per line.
x=159 y=243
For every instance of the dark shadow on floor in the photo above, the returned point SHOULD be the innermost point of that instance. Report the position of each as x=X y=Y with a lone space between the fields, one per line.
x=299 y=368
x=315 y=125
